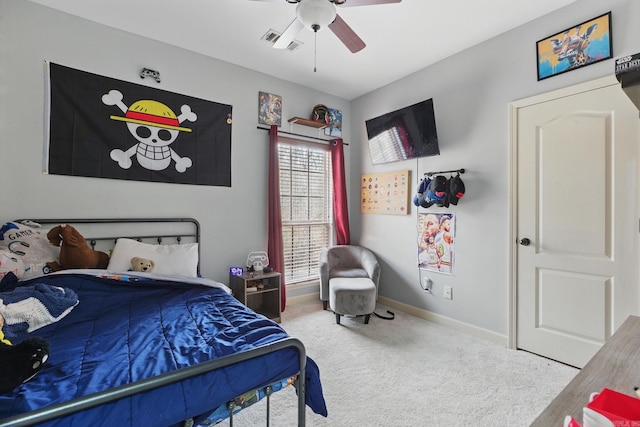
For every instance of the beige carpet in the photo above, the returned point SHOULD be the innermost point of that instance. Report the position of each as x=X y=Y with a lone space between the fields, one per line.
x=411 y=372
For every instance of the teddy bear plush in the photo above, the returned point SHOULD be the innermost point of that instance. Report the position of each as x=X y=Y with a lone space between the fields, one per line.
x=21 y=362
x=142 y=264
x=74 y=250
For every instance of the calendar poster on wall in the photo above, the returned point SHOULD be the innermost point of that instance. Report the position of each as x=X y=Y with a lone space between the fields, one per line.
x=385 y=193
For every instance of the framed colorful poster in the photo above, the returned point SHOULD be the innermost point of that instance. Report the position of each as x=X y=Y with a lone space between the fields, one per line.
x=335 y=123
x=269 y=109
x=575 y=47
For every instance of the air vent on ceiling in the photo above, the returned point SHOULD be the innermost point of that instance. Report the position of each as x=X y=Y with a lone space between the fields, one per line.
x=272 y=36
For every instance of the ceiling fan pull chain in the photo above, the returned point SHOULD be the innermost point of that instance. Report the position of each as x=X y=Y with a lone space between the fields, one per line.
x=315 y=49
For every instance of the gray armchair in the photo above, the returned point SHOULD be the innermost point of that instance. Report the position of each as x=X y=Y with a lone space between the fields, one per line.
x=345 y=262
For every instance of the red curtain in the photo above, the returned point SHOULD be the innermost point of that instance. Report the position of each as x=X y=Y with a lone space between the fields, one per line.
x=340 y=207
x=274 y=239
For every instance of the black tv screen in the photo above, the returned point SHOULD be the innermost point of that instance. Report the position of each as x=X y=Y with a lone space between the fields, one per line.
x=403 y=134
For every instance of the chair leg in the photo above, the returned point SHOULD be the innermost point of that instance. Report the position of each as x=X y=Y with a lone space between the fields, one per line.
x=366 y=319
x=324 y=305
x=337 y=319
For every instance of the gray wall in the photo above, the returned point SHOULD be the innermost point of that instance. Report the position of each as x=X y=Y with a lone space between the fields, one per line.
x=471 y=93
x=233 y=219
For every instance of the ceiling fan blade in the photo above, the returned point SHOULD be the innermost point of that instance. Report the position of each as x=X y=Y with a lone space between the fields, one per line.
x=289 y=34
x=351 y=3
x=346 y=35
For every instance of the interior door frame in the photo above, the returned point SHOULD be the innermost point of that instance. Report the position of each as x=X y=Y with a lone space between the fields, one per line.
x=514 y=108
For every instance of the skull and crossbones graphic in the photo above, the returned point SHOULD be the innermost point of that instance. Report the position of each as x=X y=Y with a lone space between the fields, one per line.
x=155 y=126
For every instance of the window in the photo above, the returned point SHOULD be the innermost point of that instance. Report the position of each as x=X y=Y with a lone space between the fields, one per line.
x=306 y=201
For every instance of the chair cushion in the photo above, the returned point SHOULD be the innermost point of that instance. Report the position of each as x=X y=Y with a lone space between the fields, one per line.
x=352 y=296
x=348 y=272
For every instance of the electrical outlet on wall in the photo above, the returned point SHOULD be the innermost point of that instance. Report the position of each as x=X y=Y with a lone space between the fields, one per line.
x=448 y=292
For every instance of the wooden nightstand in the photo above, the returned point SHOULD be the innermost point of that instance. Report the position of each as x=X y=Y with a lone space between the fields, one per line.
x=258 y=291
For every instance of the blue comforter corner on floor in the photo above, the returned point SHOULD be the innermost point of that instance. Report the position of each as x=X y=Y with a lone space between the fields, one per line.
x=125 y=330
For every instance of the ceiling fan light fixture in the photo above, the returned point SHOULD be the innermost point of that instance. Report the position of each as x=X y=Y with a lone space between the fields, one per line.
x=316 y=14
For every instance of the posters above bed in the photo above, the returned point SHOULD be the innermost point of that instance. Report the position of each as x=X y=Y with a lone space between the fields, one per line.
x=101 y=127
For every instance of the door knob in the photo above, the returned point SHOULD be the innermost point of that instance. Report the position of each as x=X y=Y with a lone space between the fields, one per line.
x=525 y=242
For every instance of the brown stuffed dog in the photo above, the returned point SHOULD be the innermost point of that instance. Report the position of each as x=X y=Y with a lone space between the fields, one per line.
x=74 y=250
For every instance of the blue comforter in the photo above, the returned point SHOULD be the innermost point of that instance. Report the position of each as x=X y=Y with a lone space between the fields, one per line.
x=124 y=331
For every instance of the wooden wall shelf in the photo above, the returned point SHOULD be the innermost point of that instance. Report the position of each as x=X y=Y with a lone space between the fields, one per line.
x=307 y=122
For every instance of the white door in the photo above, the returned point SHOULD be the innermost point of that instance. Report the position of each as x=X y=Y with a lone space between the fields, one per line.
x=576 y=204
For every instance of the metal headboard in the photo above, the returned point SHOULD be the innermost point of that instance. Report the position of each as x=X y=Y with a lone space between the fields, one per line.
x=106 y=230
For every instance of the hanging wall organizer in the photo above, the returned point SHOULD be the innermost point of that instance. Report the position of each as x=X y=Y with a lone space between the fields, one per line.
x=439 y=172
x=440 y=191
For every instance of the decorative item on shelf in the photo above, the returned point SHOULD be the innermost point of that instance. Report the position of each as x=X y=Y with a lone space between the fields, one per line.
x=628 y=74
x=320 y=114
x=257 y=261
x=236 y=271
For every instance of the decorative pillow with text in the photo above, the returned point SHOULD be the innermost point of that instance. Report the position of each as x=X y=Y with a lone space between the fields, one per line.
x=30 y=245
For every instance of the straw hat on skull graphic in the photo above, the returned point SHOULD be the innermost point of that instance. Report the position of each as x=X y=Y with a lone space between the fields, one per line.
x=155 y=126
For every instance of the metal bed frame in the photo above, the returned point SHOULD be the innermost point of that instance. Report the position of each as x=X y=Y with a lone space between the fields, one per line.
x=126 y=390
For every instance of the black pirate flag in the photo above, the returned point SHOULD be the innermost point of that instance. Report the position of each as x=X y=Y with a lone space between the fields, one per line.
x=107 y=128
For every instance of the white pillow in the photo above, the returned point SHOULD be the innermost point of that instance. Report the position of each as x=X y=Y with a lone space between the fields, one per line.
x=175 y=260
x=30 y=244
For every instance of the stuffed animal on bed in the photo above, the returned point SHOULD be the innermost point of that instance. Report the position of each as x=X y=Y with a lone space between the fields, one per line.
x=21 y=362
x=142 y=264
x=74 y=250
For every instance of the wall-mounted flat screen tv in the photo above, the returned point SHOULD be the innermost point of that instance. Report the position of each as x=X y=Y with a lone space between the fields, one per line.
x=403 y=134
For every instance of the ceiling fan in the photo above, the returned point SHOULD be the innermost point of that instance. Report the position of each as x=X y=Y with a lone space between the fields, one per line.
x=316 y=15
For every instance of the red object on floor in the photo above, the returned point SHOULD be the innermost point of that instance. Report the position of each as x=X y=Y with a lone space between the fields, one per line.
x=569 y=421
x=622 y=409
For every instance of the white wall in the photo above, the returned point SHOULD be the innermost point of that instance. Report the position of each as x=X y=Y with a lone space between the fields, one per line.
x=233 y=219
x=471 y=93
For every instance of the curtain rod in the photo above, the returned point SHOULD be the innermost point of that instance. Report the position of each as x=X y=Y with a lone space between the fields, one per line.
x=303 y=136
x=435 y=173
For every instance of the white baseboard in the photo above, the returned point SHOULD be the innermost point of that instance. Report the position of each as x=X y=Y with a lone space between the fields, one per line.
x=422 y=314
x=447 y=321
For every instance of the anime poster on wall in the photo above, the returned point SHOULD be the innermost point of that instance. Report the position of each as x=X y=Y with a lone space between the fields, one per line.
x=436 y=232
x=335 y=123
x=269 y=109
